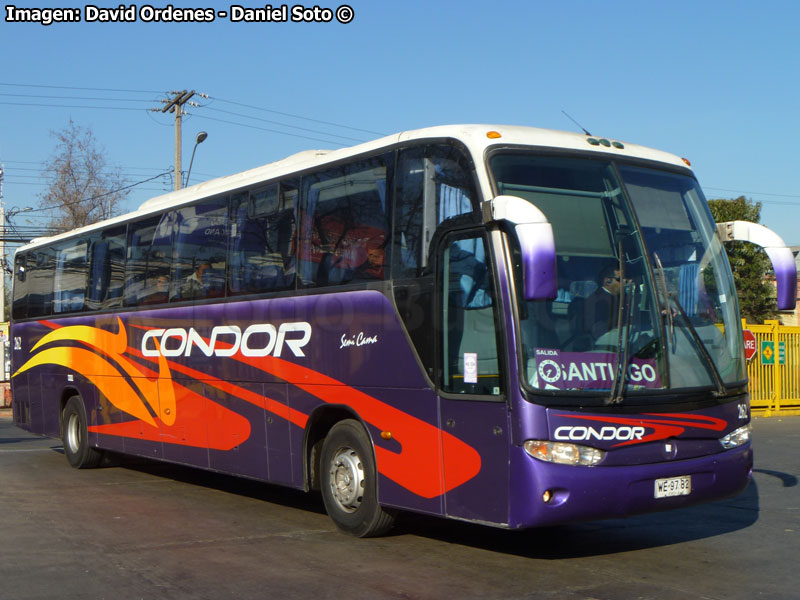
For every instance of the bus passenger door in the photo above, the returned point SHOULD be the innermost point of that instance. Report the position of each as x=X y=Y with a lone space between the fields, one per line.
x=472 y=405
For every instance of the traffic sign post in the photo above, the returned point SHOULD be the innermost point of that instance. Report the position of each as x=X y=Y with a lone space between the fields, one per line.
x=767 y=353
x=749 y=344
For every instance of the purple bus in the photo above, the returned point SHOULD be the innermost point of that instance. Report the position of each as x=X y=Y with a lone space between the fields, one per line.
x=503 y=325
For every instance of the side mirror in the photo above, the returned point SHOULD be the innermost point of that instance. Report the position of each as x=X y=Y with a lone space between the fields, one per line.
x=536 y=242
x=780 y=255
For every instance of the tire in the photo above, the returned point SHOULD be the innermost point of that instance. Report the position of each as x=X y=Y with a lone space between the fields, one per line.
x=75 y=435
x=348 y=479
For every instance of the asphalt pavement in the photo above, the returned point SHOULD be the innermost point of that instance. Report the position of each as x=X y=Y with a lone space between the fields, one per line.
x=141 y=529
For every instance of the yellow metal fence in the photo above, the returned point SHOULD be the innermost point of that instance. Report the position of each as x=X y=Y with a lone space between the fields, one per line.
x=774 y=371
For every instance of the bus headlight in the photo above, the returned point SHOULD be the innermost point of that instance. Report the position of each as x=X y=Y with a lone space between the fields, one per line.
x=736 y=438
x=563 y=453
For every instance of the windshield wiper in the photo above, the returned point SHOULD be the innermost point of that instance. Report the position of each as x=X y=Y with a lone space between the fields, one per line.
x=708 y=361
x=664 y=300
x=624 y=311
x=623 y=348
x=667 y=302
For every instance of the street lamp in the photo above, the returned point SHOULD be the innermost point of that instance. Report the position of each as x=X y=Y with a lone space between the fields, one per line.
x=201 y=137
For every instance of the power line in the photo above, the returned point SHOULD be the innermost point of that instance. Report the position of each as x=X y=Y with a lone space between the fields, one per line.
x=122 y=168
x=38 y=162
x=99 y=195
x=45 y=184
x=40 y=104
x=753 y=193
x=70 y=106
x=285 y=114
x=44 y=172
x=92 y=98
x=271 y=130
x=72 y=97
x=228 y=112
x=93 y=89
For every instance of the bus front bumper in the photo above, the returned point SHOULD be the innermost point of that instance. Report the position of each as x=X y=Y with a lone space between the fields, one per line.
x=547 y=494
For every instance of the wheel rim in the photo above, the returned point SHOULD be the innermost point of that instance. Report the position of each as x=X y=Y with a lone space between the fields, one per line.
x=73 y=433
x=347 y=479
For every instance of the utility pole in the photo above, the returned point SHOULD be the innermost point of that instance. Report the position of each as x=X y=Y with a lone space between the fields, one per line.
x=3 y=345
x=2 y=258
x=175 y=104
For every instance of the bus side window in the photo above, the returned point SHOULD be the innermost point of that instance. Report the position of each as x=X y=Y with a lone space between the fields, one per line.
x=434 y=184
x=201 y=242
x=345 y=224
x=69 y=284
x=107 y=270
x=469 y=351
x=262 y=249
x=41 y=269
x=147 y=270
x=19 y=306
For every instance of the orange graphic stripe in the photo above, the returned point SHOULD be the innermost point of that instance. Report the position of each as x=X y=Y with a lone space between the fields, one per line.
x=273 y=406
x=158 y=394
x=187 y=424
x=191 y=426
x=97 y=370
x=416 y=466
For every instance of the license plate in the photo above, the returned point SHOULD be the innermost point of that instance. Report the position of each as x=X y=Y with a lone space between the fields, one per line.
x=673 y=486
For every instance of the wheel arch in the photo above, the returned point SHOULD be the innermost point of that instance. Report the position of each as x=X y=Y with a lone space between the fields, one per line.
x=320 y=422
x=67 y=393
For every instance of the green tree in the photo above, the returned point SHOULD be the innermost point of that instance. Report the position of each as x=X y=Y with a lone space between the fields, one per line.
x=751 y=266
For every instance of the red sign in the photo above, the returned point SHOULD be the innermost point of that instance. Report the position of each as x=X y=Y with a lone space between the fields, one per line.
x=749 y=344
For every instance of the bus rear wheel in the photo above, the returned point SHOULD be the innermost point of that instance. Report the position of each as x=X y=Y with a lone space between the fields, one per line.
x=349 y=482
x=75 y=435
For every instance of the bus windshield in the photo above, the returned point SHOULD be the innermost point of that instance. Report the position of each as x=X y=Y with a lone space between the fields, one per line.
x=645 y=298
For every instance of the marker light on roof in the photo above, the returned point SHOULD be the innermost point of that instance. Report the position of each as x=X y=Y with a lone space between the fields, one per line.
x=493 y=135
x=686 y=160
x=606 y=143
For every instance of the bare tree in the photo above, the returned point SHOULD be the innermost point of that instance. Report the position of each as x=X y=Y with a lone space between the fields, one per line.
x=82 y=188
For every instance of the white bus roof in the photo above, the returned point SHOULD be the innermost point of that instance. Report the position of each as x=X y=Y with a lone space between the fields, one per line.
x=477 y=138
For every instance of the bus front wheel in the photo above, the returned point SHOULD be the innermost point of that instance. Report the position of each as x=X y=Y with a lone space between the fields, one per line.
x=349 y=482
x=75 y=436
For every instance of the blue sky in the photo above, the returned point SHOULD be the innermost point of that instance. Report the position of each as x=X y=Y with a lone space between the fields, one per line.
x=716 y=82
